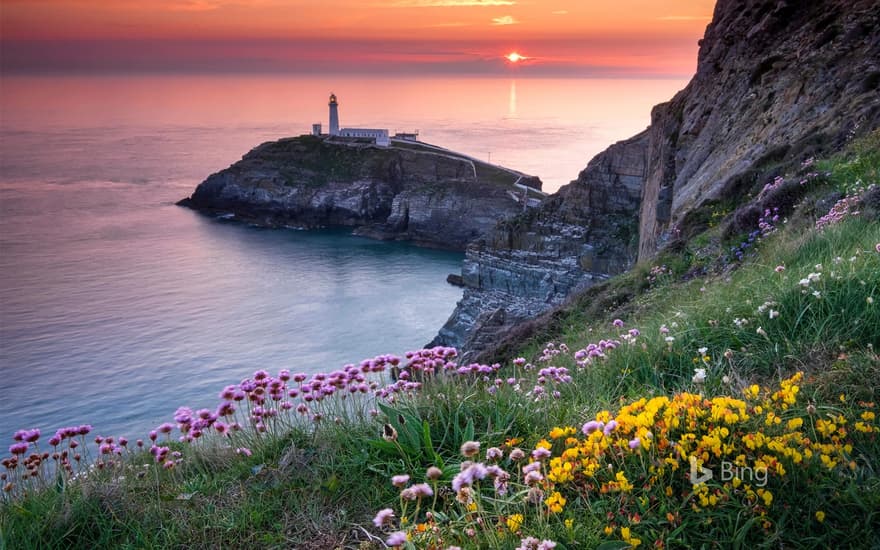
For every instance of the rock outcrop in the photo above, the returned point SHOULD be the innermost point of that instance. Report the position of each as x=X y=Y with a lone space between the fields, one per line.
x=585 y=232
x=777 y=81
x=408 y=191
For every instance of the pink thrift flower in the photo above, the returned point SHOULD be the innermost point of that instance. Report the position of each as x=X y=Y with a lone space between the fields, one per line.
x=18 y=448
x=591 y=427
x=422 y=490
x=244 y=451
x=494 y=453
x=617 y=323
x=396 y=539
x=400 y=480
x=610 y=427
x=540 y=453
x=383 y=516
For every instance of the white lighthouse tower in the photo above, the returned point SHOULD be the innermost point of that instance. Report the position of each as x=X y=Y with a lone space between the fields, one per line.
x=334 y=116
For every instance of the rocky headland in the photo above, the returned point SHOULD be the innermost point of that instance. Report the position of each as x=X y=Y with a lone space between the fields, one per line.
x=777 y=82
x=408 y=191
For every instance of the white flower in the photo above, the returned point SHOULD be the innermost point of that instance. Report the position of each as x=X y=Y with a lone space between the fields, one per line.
x=813 y=277
x=869 y=299
x=761 y=331
x=703 y=351
x=804 y=282
x=818 y=267
x=817 y=294
x=725 y=379
x=774 y=314
x=670 y=339
x=699 y=376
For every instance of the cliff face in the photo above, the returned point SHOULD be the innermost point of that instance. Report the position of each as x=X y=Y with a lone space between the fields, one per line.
x=777 y=81
x=409 y=192
x=586 y=231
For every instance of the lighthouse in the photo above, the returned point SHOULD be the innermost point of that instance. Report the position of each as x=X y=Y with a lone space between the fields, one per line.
x=334 y=116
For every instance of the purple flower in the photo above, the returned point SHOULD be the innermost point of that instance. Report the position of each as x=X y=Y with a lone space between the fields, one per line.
x=634 y=443
x=422 y=490
x=383 y=516
x=617 y=323
x=244 y=451
x=592 y=426
x=540 y=453
x=400 y=480
x=877 y=247
x=533 y=478
x=396 y=539
x=610 y=427
x=165 y=428
x=183 y=415
x=18 y=448
x=494 y=453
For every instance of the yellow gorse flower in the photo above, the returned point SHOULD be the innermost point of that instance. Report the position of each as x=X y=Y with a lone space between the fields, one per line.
x=755 y=434
x=514 y=522
x=555 y=502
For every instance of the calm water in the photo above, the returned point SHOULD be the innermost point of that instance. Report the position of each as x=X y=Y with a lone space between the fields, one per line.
x=117 y=306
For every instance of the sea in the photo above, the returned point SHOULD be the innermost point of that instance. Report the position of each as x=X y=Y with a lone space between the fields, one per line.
x=117 y=306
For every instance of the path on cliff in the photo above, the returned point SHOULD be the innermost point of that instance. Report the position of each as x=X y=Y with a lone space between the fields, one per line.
x=519 y=175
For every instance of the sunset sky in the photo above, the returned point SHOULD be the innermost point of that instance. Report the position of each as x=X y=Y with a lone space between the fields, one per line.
x=606 y=38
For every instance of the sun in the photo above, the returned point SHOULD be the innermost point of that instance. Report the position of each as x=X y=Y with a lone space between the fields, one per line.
x=515 y=57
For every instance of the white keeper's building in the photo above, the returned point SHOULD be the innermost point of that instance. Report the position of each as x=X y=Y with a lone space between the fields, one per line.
x=378 y=135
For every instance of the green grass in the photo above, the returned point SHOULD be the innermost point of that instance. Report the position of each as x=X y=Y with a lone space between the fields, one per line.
x=319 y=485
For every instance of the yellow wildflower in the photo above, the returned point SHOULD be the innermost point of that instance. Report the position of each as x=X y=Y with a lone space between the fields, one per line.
x=820 y=516
x=514 y=522
x=558 y=433
x=555 y=502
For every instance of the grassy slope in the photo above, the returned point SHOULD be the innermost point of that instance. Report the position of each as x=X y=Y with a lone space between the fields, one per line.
x=319 y=488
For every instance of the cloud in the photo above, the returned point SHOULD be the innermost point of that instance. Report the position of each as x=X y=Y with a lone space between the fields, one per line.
x=684 y=18
x=559 y=12
x=451 y=3
x=504 y=20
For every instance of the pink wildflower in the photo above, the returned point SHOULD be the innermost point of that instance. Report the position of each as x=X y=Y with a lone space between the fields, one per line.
x=383 y=516
x=400 y=480
x=396 y=539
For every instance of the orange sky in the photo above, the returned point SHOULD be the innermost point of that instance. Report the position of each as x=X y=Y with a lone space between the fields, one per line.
x=581 y=37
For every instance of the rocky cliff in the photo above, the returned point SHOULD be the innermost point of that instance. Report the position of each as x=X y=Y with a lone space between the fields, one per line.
x=777 y=81
x=409 y=191
x=527 y=264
